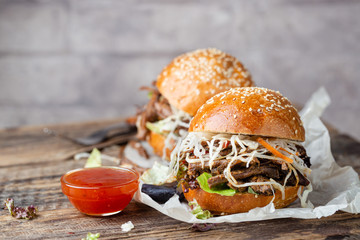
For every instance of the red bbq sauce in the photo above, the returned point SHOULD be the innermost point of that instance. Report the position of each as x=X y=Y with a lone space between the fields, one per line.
x=100 y=191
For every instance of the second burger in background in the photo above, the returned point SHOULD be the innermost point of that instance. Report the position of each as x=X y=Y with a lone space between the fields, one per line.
x=181 y=88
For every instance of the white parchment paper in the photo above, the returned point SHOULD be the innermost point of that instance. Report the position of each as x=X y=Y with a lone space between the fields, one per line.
x=334 y=188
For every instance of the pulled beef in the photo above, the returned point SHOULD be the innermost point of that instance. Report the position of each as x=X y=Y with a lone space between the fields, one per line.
x=225 y=152
x=219 y=166
x=292 y=179
x=162 y=108
x=197 y=169
x=303 y=155
x=156 y=109
x=302 y=180
x=261 y=189
x=216 y=180
x=271 y=172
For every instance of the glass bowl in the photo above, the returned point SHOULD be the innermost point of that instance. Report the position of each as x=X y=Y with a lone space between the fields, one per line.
x=100 y=191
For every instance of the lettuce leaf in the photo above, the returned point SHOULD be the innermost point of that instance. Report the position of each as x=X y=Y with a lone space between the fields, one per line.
x=94 y=160
x=157 y=175
x=198 y=211
x=156 y=127
x=222 y=190
x=250 y=190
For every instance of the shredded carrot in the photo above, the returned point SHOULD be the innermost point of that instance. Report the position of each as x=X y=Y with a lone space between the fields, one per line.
x=273 y=150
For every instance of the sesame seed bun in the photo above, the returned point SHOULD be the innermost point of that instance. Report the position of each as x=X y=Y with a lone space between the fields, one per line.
x=240 y=202
x=194 y=77
x=250 y=111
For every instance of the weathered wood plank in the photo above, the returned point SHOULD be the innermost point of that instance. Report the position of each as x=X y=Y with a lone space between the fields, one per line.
x=69 y=223
x=30 y=145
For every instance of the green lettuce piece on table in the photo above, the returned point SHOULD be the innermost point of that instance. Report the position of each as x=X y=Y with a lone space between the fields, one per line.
x=92 y=236
x=94 y=160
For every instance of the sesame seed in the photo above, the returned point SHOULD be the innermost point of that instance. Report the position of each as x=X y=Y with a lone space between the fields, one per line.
x=223 y=102
x=211 y=100
x=196 y=125
x=250 y=109
x=243 y=102
x=234 y=116
x=296 y=131
x=259 y=110
x=234 y=99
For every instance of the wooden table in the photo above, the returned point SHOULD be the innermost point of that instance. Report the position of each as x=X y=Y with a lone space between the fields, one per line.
x=31 y=164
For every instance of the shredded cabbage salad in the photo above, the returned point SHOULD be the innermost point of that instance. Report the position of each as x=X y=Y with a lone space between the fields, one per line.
x=168 y=126
x=244 y=148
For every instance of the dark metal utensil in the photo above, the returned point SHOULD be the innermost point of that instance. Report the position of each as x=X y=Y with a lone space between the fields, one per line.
x=98 y=136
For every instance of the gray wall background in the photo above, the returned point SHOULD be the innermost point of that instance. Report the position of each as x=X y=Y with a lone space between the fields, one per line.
x=74 y=60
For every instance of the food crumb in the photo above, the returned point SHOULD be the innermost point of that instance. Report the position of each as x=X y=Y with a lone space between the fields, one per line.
x=126 y=227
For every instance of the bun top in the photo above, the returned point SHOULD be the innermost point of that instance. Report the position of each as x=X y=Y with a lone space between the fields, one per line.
x=194 y=77
x=250 y=111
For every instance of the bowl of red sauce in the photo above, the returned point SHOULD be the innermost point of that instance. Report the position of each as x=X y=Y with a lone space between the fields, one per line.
x=100 y=191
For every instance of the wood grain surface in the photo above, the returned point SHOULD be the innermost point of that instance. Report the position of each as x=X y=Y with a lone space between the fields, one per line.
x=31 y=164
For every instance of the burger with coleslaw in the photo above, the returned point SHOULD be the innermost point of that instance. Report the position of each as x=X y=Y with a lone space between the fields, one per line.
x=181 y=88
x=243 y=151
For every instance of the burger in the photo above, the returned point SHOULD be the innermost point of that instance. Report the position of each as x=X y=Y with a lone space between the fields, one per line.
x=180 y=89
x=243 y=151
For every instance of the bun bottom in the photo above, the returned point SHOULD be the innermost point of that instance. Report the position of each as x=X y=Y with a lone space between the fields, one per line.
x=240 y=202
x=157 y=142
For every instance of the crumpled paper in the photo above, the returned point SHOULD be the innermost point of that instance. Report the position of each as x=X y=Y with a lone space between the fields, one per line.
x=334 y=188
